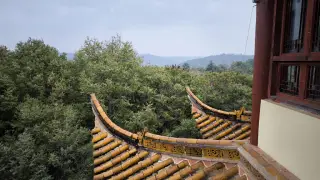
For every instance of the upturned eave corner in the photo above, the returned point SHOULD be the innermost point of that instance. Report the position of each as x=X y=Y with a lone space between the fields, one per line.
x=242 y=114
x=216 y=124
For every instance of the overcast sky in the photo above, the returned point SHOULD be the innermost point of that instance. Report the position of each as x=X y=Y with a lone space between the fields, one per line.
x=160 y=27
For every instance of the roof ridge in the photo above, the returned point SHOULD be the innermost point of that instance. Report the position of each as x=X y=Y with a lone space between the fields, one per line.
x=241 y=114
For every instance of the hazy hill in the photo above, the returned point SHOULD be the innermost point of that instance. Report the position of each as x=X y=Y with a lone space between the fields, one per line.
x=226 y=59
x=155 y=60
x=193 y=61
x=164 y=60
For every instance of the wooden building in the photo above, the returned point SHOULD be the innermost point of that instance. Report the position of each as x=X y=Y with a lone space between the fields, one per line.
x=286 y=87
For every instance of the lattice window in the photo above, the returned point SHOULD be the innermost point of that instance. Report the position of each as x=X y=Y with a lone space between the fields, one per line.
x=213 y=153
x=178 y=149
x=289 y=79
x=316 y=28
x=164 y=147
x=313 y=90
x=193 y=151
x=233 y=154
x=294 y=27
x=149 y=143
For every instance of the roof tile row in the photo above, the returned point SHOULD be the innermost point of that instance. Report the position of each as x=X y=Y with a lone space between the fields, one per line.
x=115 y=159
x=214 y=127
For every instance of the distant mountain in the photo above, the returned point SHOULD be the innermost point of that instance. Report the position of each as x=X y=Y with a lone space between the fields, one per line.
x=164 y=60
x=193 y=61
x=226 y=59
x=154 y=60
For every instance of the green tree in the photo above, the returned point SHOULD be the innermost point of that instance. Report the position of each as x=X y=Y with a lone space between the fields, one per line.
x=211 y=67
x=242 y=67
x=41 y=137
x=126 y=87
x=186 y=66
x=45 y=114
x=230 y=90
x=222 y=67
x=187 y=129
x=51 y=146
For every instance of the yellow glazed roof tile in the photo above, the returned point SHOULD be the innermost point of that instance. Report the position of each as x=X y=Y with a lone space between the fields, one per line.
x=95 y=130
x=115 y=159
x=102 y=143
x=201 y=112
x=110 y=155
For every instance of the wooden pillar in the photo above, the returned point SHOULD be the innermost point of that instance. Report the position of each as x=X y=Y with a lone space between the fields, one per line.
x=263 y=40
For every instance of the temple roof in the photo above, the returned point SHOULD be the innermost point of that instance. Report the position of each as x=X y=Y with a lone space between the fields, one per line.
x=116 y=159
x=121 y=154
x=218 y=124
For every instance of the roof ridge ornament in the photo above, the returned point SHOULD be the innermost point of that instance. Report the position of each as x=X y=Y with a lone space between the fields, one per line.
x=240 y=113
x=141 y=135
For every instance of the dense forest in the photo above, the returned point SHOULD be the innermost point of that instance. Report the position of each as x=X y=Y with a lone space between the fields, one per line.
x=45 y=111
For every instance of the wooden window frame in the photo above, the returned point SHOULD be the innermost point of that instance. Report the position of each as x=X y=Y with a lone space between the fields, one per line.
x=306 y=54
x=301 y=98
x=314 y=24
x=309 y=65
x=302 y=26
x=303 y=59
x=301 y=89
x=281 y=65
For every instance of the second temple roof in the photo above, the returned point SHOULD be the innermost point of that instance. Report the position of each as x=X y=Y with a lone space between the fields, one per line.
x=217 y=124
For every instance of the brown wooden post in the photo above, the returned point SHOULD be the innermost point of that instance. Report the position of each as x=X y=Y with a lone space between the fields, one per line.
x=311 y=5
x=263 y=39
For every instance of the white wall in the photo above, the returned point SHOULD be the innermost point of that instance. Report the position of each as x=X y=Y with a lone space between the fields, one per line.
x=292 y=138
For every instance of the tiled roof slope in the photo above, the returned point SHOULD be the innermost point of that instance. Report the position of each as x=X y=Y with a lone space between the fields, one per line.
x=116 y=159
x=217 y=124
x=120 y=154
